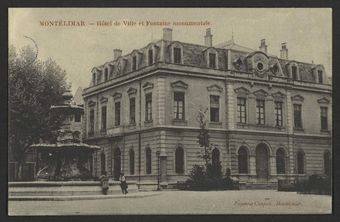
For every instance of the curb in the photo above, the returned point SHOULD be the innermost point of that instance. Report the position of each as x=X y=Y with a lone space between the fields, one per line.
x=84 y=197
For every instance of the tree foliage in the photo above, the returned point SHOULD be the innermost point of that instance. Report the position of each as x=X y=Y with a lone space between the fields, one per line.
x=34 y=86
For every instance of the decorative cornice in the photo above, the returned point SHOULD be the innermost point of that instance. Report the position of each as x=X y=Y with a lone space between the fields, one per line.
x=323 y=100
x=260 y=93
x=148 y=85
x=278 y=95
x=91 y=103
x=215 y=88
x=179 y=84
x=103 y=99
x=131 y=91
x=242 y=90
x=117 y=95
x=298 y=98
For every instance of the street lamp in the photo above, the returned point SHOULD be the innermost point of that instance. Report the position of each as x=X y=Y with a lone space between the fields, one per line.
x=158 y=170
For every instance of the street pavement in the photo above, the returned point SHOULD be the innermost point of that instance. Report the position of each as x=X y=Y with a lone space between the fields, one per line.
x=183 y=202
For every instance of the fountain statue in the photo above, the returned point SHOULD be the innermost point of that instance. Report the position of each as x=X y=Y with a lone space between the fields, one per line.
x=68 y=158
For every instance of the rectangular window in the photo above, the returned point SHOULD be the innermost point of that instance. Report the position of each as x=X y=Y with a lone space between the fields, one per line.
x=212 y=60
x=91 y=121
x=294 y=73
x=117 y=113
x=103 y=117
x=177 y=56
x=324 y=112
x=241 y=110
x=148 y=107
x=132 y=110
x=77 y=117
x=320 y=76
x=278 y=113
x=150 y=56
x=134 y=63
x=260 y=111
x=297 y=116
x=179 y=105
x=214 y=108
x=106 y=75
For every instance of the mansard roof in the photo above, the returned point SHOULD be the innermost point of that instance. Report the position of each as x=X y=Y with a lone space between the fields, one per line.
x=195 y=55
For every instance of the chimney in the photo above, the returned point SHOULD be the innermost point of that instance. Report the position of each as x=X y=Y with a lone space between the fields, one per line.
x=208 y=38
x=263 y=46
x=167 y=34
x=117 y=53
x=284 y=51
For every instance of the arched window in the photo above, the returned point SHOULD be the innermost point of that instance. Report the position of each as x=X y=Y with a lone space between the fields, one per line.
x=102 y=163
x=300 y=162
x=327 y=163
x=148 y=160
x=116 y=163
x=280 y=161
x=243 y=160
x=132 y=161
x=179 y=160
x=215 y=157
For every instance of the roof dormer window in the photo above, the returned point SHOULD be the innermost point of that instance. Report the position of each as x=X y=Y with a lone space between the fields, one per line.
x=134 y=63
x=320 y=76
x=106 y=74
x=294 y=73
x=212 y=60
x=94 y=78
x=150 y=57
x=177 y=55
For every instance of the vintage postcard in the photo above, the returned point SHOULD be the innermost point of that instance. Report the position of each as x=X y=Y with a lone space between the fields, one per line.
x=128 y=111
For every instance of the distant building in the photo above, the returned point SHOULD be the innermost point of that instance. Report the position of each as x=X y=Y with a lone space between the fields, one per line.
x=269 y=117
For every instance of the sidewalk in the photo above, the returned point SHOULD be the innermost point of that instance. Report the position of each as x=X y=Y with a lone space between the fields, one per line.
x=82 y=197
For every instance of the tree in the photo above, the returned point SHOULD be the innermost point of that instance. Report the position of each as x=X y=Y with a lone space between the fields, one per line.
x=203 y=136
x=34 y=86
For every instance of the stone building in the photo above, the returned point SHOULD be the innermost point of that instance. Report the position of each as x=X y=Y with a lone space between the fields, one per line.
x=269 y=117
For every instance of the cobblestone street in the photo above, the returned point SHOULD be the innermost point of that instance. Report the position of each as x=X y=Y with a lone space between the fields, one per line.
x=183 y=202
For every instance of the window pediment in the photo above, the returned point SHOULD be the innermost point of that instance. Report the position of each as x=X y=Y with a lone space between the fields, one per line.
x=260 y=93
x=242 y=91
x=131 y=91
x=91 y=103
x=297 y=98
x=148 y=85
x=103 y=99
x=117 y=95
x=179 y=84
x=215 y=88
x=323 y=100
x=278 y=95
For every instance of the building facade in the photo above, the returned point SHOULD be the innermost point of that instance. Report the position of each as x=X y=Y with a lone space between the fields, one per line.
x=269 y=117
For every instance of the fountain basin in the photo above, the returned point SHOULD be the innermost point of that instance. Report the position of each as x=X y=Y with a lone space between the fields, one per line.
x=65 y=188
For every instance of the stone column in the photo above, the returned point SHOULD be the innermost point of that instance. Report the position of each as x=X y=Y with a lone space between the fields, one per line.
x=290 y=131
x=230 y=103
x=160 y=100
x=163 y=158
x=252 y=165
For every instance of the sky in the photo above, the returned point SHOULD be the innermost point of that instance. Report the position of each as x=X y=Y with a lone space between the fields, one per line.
x=307 y=32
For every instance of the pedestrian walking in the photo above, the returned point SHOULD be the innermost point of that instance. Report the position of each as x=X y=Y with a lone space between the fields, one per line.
x=123 y=183
x=104 y=182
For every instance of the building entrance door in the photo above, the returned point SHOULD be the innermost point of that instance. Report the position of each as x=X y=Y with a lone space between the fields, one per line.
x=262 y=161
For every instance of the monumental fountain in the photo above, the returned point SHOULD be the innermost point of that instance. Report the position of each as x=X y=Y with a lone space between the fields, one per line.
x=64 y=167
x=68 y=158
